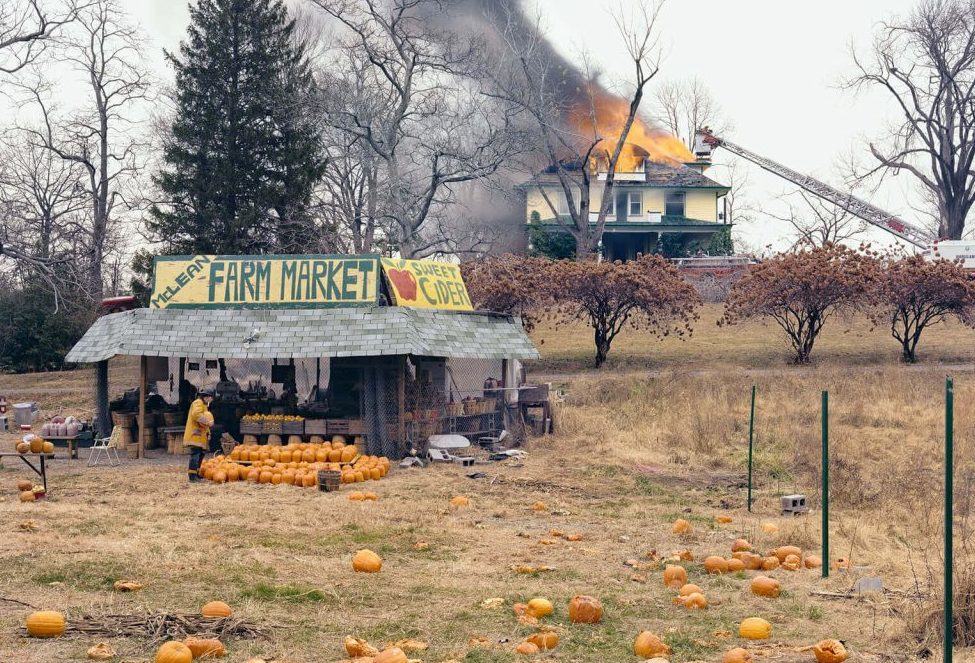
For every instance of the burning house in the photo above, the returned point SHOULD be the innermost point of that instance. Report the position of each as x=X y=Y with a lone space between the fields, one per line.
x=661 y=200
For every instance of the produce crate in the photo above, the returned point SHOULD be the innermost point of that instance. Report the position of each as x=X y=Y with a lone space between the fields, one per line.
x=316 y=427
x=338 y=426
x=356 y=426
x=251 y=427
x=293 y=427
x=329 y=481
x=273 y=428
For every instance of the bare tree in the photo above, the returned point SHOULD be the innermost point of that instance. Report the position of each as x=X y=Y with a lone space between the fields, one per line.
x=684 y=106
x=27 y=27
x=424 y=119
x=570 y=125
x=819 y=223
x=926 y=64
x=101 y=138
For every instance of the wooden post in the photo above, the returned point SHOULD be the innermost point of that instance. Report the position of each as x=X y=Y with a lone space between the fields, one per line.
x=143 y=393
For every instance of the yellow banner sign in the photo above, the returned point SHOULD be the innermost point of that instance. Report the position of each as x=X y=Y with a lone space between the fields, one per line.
x=271 y=281
x=427 y=284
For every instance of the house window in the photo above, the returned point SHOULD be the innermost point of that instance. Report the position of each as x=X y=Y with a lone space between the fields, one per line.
x=675 y=203
x=635 y=206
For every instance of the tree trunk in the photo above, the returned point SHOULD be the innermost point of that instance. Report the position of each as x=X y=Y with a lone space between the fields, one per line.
x=602 y=346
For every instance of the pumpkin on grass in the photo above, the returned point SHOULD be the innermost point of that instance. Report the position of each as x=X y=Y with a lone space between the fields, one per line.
x=792 y=563
x=359 y=648
x=830 y=651
x=689 y=589
x=767 y=587
x=736 y=655
x=24 y=484
x=391 y=655
x=101 y=652
x=174 y=652
x=585 y=610
x=366 y=561
x=675 y=576
x=216 y=609
x=648 y=645
x=741 y=545
x=459 y=501
x=205 y=647
x=527 y=648
x=681 y=526
x=693 y=601
x=544 y=640
x=45 y=624
x=735 y=565
x=715 y=564
x=755 y=628
x=540 y=608
x=27 y=496
x=812 y=562
x=784 y=551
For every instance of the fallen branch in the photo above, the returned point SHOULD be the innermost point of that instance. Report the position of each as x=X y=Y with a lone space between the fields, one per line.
x=26 y=605
x=158 y=626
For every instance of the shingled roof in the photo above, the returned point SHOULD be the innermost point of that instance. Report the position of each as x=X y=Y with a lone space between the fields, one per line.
x=303 y=333
x=657 y=175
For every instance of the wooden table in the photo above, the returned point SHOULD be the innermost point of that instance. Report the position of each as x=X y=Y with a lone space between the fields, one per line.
x=70 y=439
x=40 y=471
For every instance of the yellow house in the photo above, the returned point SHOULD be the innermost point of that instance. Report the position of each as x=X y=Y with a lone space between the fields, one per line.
x=657 y=208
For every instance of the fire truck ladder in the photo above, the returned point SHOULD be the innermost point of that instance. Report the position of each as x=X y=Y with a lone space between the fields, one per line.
x=869 y=213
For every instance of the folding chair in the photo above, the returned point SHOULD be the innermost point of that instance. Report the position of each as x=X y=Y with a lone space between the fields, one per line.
x=106 y=446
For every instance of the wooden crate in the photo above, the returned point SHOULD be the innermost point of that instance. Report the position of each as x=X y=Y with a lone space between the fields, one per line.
x=251 y=428
x=293 y=428
x=338 y=426
x=316 y=427
x=273 y=428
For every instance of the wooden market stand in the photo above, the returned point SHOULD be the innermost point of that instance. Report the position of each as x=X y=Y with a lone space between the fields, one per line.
x=409 y=371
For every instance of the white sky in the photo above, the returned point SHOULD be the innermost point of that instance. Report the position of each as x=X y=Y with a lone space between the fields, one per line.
x=774 y=66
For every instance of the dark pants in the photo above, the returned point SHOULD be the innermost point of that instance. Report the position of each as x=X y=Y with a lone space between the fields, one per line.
x=196 y=459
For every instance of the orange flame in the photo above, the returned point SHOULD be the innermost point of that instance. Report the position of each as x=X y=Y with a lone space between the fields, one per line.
x=642 y=142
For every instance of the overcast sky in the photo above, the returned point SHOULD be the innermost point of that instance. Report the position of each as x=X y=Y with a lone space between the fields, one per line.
x=775 y=68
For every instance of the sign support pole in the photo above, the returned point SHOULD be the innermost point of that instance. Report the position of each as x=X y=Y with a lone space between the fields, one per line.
x=751 y=431
x=949 y=520
x=825 y=488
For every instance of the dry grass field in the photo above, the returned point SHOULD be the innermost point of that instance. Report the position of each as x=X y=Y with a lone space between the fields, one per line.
x=636 y=449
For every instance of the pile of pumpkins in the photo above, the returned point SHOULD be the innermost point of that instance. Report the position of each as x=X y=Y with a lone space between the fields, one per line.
x=35 y=444
x=28 y=491
x=295 y=464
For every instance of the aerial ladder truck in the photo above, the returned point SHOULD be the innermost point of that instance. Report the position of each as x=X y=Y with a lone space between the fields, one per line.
x=932 y=247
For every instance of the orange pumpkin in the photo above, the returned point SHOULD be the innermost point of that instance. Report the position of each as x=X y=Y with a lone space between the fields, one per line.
x=23 y=447
x=36 y=445
x=205 y=647
x=792 y=563
x=174 y=652
x=695 y=601
x=812 y=562
x=359 y=648
x=687 y=590
x=366 y=561
x=784 y=551
x=544 y=640
x=735 y=565
x=681 y=526
x=216 y=609
x=770 y=563
x=585 y=610
x=767 y=587
x=737 y=655
x=27 y=496
x=648 y=645
x=540 y=608
x=715 y=564
x=741 y=545
x=830 y=651
x=675 y=576
x=391 y=655
x=45 y=624
x=525 y=648
x=24 y=484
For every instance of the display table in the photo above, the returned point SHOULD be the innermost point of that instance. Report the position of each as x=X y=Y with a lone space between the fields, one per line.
x=39 y=471
x=72 y=441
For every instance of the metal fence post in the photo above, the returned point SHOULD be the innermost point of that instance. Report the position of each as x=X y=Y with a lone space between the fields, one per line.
x=751 y=432
x=949 y=521
x=825 y=488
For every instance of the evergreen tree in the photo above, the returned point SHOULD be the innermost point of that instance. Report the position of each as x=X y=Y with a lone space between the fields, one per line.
x=243 y=156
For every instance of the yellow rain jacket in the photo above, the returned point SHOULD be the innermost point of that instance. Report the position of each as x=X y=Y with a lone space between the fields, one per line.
x=198 y=423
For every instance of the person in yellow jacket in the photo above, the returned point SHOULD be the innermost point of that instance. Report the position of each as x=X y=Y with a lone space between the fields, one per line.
x=197 y=433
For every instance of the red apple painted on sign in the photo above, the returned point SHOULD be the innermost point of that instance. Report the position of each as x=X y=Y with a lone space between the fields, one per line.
x=405 y=283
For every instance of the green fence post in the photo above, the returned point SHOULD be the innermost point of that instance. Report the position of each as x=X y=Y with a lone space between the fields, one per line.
x=751 y=432
x=825 y=487
x=949 y=521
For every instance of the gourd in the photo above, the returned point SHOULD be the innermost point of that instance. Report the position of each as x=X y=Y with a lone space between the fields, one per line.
x=736 y=655
x=525 y=649
x=205 y=647
x=36 y=445
x=735 y=565
x=740 y=545
x=675 y=576
x=681 y=526
x=216 y=609
x=23 y=447
x=544 y=639
x=100 y=652
x=812 y=562
x=24 y=484
x=585 y=610
x=784 y=551
x=830 y=651
x=648 y=645
x=47 y=447
x=764 y=586
x=174 y=652
x=755 y=628
x=391 y=655
x=27 y=496
x=357 y=647
x=715 y=564
x=45 y=624
x=366 y=561
x=687 y=590
x=695 y=601
x=792 y=563
x=540 y=608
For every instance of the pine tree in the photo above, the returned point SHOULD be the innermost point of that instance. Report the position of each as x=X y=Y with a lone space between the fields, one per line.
x=243 y=157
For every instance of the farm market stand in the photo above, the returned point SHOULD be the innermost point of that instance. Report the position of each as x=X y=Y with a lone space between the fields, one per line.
x=311 y=363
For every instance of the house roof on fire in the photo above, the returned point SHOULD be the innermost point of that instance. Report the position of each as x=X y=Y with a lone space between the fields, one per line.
x=303 y=333
x=657 y=175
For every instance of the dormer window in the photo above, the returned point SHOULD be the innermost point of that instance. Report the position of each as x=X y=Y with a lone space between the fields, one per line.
x=674 y=203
